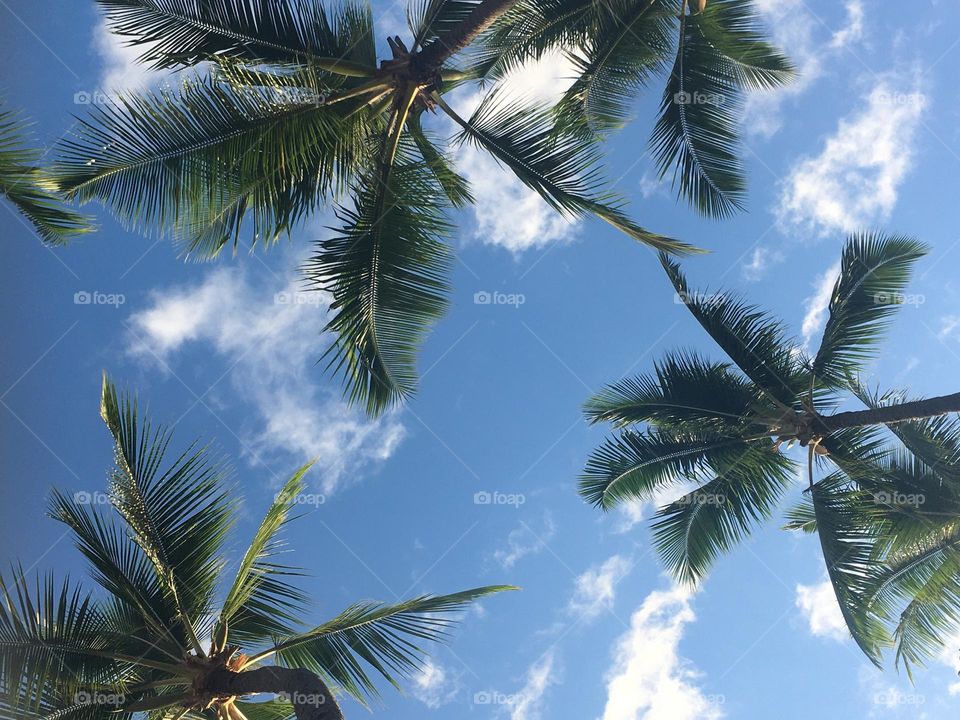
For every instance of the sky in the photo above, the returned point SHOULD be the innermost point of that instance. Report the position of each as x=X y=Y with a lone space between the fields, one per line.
x=474 y=481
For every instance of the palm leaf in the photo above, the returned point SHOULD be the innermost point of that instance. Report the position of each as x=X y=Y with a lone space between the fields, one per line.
x=260 y=604
x=874 y=270
x=178 y=515
x=562 y=170
x=29 y=188
x=692 y=531
x=177 y=33
x=384 y=638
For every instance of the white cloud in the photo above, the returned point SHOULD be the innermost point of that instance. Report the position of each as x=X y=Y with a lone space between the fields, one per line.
x=595 y=590
x=120 y=69
x=760 y=261
x=523 y=541
x=649 y=679
x=853 y=30
x=818 y=603
x=853 y=182
x=818 y=303
x=948 y=326
x=508 y=213
x=526 y=703
x=434 y=686
x=268 y=340
x=794 y=30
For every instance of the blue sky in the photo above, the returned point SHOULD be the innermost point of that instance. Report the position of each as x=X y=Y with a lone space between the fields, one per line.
x=867 y=138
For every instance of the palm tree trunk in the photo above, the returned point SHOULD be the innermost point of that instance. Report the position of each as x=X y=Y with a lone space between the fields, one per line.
x=311 y=698
x=891 y=414
x=429 y=60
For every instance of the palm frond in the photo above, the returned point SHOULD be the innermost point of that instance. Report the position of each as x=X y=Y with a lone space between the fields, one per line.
x=261 y=604
x=563 y=170
x=874 y=270
x=635 y=464
x=454 y=185
x=686 y=392
x=847 y=530
x=384 y=638
x=178 y=515
x=432 y=19
x=197 y=161
x=691 y=532
x=754 y=341
x=29 y=188
x=630 y=41
x=176 y=33
x=386 y=271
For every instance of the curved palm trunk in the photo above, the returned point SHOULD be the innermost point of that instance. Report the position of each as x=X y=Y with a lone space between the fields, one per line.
x=311 y=698
x=429 y=60
x=892 y=414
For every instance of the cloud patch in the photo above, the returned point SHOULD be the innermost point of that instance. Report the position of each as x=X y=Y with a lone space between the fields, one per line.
x=595 y=590
x=818 y=603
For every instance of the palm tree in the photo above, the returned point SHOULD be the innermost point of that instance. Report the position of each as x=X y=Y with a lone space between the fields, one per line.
x=156 y=641
x=882 y=483
x=29 y=188
x=288 y=109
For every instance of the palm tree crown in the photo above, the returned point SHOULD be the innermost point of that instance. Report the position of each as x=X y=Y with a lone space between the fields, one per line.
x=290 y=109
x=882 y=484
x=171 y=633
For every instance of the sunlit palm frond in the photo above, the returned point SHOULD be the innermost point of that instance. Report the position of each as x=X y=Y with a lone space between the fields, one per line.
x=563 y=170
x=30 y=189
x=874 y=270
x=176 y=33
x=260 y=603
x=454 y=185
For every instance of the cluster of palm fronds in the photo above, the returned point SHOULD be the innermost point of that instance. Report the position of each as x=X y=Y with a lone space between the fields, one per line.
x=287 y=109
x=148 y=641
x=883 y=487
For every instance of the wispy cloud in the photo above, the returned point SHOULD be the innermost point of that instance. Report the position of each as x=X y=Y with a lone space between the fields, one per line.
x=267 y=338
x=595 y=590
x=854 y=181
x=853 y=31
x=526 y=703
x=648 y=678
x=120 y=69
x=760 y=261
x=818 y=303
x=435 y=686
x=524 y=540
